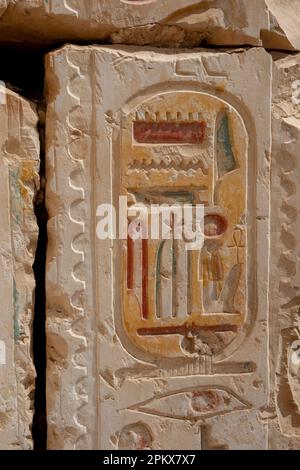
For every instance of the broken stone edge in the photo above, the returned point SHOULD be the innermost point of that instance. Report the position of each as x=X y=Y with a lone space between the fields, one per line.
x=21 y=148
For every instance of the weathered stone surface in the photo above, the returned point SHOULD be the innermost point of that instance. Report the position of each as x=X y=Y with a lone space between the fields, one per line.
x=19 y=166
x=273 y=23
x=142 y=355
x=161 y=22
x=284 y=268
x=284 y=31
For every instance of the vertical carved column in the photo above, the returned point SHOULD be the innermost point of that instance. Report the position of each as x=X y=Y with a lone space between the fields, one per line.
x=285 y=275
x=19 y=180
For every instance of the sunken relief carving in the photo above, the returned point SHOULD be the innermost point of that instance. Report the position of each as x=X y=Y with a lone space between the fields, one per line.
x=177 y=148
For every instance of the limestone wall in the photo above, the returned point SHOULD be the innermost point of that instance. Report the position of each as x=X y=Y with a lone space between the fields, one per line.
x=151 y=344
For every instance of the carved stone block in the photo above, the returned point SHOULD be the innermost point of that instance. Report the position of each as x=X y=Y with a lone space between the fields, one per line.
x=284 y=268
x=19 y=164
x=151 y=345
x=140 y=22
x=284 y=25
